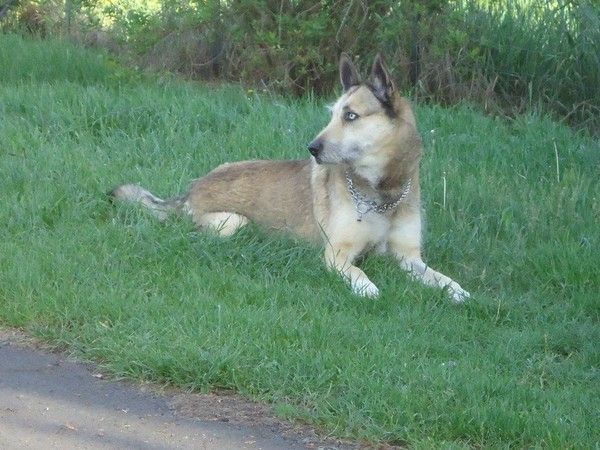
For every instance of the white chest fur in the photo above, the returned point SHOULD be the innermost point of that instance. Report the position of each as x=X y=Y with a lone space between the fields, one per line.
x=372 y=230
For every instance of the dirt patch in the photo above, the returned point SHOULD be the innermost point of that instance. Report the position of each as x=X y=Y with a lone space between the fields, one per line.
x=228 y=407
x=225 y=406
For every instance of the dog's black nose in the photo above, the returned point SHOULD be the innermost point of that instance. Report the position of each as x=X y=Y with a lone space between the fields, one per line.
x=315 y=147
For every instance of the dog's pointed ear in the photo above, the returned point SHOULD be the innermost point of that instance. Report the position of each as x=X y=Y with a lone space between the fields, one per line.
x=381 y=81
x=348 y=73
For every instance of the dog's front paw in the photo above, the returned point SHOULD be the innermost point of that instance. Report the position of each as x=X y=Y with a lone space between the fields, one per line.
x=365 y=288
x=457 y=294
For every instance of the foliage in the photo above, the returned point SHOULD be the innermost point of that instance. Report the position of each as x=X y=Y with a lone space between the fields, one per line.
x=509 y=56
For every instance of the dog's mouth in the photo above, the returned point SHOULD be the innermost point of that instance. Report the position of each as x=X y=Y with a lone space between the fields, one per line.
x=319 y=159
x=324 y=162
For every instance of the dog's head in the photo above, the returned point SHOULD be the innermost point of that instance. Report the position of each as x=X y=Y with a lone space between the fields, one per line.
x=371 y=124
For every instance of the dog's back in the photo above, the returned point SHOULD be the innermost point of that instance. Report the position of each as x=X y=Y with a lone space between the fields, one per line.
x=274 y=194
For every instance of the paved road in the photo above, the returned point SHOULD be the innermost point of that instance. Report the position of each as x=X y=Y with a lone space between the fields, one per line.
x=50 y=402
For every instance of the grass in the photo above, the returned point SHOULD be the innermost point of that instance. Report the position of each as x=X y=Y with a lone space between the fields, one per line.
x=507 y=56
x=515 y=367
x=543 y=54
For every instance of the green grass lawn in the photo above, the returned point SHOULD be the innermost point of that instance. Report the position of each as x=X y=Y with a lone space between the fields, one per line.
x=517 y=366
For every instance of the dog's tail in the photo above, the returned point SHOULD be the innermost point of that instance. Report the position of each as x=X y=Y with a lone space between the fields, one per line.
x=159 y=207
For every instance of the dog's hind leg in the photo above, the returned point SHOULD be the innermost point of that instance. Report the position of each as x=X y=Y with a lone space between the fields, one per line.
x=224 y=223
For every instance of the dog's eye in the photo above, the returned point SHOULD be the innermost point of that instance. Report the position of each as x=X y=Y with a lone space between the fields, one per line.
x=350 y=116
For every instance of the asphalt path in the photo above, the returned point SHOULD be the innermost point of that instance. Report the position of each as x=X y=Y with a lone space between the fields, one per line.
x=50 y=401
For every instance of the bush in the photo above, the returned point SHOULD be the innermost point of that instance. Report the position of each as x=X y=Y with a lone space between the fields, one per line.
x=510 y=56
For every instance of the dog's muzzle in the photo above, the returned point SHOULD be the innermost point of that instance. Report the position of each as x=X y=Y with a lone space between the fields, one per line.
x=315 y=148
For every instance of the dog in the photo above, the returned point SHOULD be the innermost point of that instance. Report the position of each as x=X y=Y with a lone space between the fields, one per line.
x=359 y=190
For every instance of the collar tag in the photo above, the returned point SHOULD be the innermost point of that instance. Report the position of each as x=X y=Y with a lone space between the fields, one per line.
x=362 y=208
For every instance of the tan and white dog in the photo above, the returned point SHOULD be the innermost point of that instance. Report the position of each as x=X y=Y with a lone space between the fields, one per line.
x=360 y=189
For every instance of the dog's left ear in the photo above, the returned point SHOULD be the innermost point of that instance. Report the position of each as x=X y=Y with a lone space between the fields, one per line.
x=381 y=82
x=348 y=73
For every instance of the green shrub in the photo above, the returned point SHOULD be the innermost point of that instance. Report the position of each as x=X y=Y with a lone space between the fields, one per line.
x=510 y=56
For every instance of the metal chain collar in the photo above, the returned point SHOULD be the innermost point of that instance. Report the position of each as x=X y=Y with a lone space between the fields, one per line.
x=364 y=205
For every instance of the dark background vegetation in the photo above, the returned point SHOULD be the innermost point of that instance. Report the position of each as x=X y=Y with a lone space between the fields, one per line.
x=508 y=56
